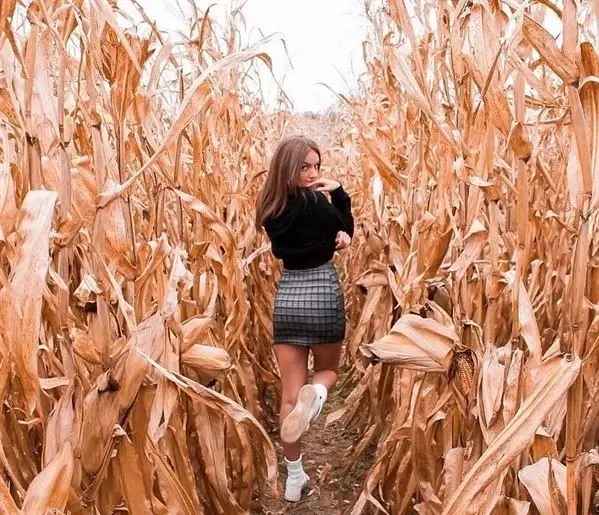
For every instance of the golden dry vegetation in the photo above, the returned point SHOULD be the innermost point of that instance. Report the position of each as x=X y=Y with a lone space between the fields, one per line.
x=136 y=373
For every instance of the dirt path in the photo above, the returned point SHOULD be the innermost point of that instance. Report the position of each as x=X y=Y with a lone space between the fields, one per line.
x=331 y=489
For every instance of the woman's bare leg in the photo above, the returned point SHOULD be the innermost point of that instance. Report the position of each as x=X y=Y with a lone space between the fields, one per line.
x=309 y=399
x=326 y=364
x=293 y=366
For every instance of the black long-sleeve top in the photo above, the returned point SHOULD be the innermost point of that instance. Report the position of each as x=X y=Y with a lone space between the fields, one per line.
x=303 y=235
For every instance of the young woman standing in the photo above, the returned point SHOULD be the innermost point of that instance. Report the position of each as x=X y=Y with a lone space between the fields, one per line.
x=305 y=230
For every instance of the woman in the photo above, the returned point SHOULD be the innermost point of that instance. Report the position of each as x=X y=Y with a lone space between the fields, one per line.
x=305 y=230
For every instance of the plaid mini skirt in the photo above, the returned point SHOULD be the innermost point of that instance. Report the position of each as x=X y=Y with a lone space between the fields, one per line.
x=309 y=307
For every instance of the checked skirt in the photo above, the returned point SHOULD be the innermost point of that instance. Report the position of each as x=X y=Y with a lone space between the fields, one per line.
x=309 y=307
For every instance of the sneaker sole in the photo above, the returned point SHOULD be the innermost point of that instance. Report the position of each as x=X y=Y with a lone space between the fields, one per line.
x=294 y=499
x=298 y=421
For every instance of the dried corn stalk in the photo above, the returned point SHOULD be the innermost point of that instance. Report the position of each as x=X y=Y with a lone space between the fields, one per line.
x=127 y=251
x=480 y=127
x=129 y=378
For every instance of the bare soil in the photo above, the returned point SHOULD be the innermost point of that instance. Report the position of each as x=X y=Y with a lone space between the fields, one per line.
x=332 y=489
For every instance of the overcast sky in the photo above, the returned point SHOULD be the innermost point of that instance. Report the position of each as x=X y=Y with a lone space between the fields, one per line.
x=323 y=38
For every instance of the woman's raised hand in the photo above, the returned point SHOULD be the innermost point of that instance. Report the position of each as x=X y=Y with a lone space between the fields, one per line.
x=323 y=184
x=342 y=240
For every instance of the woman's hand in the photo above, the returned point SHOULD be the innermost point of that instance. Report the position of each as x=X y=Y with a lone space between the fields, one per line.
x=342 y=240
x=323 y=184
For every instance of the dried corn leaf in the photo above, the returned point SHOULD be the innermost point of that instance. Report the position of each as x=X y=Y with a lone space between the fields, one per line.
x=486 y=53
x=385 y=168
x=6 y=11
x=453 y=470
x=114 y=401
x=190 y=108
x=22 y=299
x=540 y=38
x=515 y=437
x=528 y=323
x=212 y=445
x=540 y=479
x=116 y=240
x=49 y=490
x=130 y=471
x=177 y=499
x=416 y=343
x=8 y=208
x=219 y=402
x=492 y=384
x=104 y=9
x=7 y=504
x=63 y=425
x=474 y=242
x=509 y=506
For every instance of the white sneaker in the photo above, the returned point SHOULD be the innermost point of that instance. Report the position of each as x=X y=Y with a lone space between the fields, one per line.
x=307 y=408
x=294 y=487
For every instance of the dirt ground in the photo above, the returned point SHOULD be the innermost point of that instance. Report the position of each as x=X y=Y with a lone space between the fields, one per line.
x=331 y=490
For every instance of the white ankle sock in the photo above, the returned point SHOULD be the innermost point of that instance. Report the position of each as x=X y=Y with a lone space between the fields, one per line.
x=297 y=480
x=295 y=468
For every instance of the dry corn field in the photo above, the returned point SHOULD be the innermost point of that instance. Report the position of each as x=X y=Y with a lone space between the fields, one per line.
x=137 y=374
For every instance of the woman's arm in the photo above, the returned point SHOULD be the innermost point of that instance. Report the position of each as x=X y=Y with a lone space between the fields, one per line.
x=338 y=211
x=342 y=201
x=333 y=218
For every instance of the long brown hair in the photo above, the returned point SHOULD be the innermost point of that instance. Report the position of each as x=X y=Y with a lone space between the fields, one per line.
x=283 y=176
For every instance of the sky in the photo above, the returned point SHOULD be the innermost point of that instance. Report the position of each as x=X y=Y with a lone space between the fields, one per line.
x=323 y=40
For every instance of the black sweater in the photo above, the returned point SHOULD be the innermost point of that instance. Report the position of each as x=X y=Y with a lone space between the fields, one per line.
x=303 y=235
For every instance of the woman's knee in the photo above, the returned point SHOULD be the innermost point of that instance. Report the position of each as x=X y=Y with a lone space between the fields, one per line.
x=326 y=377
x=290 y=390
x=329 y=369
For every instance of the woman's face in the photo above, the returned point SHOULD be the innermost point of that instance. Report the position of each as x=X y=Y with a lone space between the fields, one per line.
x=310 y=170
